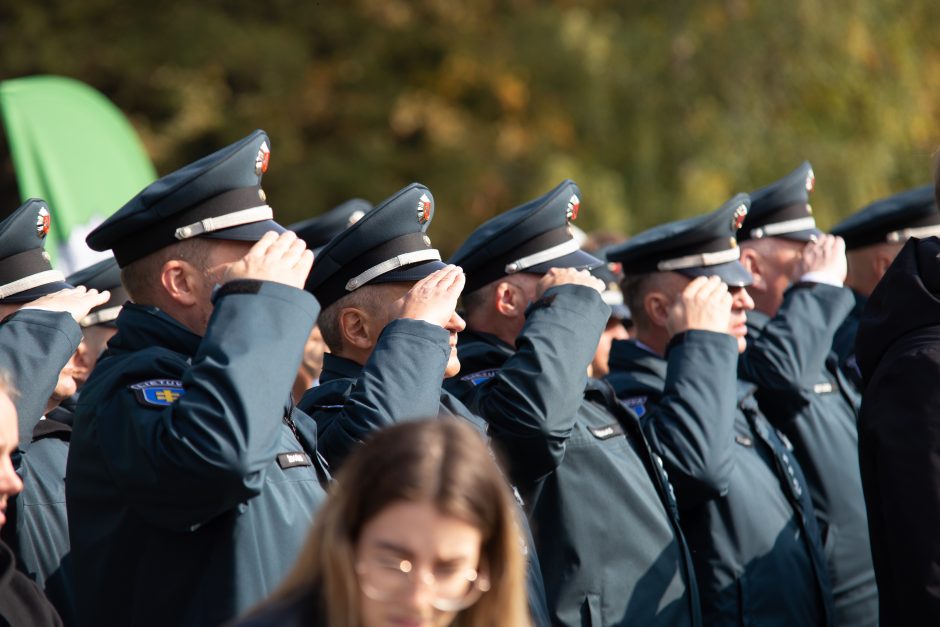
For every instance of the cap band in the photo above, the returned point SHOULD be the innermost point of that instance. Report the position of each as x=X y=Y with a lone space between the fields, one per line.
x=904 y=234
x=782 y=228
x=101 y=316
x=559 y=250
x=29 y=282
x=430 y=254
x=217 y=223
x=700 y=260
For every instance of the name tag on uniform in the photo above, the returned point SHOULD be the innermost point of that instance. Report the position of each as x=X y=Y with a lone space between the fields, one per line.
x=292 y=460
x=605 y=433
x=743 y=440
x=157 y=392
x=822 y=388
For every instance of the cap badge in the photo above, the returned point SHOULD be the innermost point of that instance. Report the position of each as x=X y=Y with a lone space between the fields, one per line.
x=43 y=222
x=424 y=209
x=574 y=205
x=261 y=161
x=354 y=217
x=810 y=180
x=738 y=218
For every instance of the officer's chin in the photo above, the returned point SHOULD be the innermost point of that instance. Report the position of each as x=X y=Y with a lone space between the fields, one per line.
x=453 y=364
x=742 y=343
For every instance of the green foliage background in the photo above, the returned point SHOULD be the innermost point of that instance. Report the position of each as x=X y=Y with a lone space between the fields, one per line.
x=658 y=109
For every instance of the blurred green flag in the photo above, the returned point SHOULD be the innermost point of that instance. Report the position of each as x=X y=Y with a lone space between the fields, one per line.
x=74 y=149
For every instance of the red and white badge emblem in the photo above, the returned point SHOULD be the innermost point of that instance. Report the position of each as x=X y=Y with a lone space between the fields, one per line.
x=810 y=180
x=261 y=161
x=43 y=222
x=574 y=205
x=424 y=209
x=738 y=218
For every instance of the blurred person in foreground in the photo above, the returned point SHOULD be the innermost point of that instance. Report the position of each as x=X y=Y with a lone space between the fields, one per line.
x=419 y=529
x=898 y=349
x=21 y=600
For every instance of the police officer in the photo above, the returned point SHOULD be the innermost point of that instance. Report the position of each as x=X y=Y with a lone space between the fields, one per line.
x=744 y=504
x=99 y=325
x=39 y=342
x=873 y=238
x=316 y=232
x=800 y=302
x=618 y=324
x=389 y=319
x=192 y=479
x=601 y=510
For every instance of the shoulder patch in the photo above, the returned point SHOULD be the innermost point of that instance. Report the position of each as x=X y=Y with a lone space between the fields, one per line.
x=637 y=404
x=476 y=378
x=157 y=392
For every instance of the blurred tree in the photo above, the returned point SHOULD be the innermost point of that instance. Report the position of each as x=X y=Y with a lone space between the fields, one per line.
x=658 y=109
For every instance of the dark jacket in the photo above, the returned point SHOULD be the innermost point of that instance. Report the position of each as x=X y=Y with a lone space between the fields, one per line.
x=22 y=603
x=191 y=480
x=395 y=384
x=843 y=345
x=899 y=434
x=601 y=509
x=307 y=610
x=803 y=392
x=743 y=500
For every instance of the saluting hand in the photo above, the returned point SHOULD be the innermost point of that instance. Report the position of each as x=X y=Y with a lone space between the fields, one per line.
x=704 y=304
x=433 y=298
x=77 y=301
x=826 y=255
x=282 y=258
x=567 y=276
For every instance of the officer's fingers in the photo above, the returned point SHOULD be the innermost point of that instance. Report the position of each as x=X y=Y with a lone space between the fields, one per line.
x=694 y=287
x=281 y=244
x=304 y=263
x=98 y=298
x=262 y=245
x=294 y=251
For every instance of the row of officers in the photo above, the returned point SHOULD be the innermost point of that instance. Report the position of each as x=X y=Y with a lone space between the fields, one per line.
x=707 y=474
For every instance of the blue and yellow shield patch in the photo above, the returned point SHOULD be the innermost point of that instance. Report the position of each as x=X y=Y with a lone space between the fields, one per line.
x=157 y=392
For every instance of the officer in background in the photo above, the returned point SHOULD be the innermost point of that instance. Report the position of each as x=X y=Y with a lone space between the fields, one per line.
x=744 y=504
x=620 y=321
x=873 y=238
x=39 y=342
x=389 y=320
x=99 y=325
x=800 y=303
x=316 y=232
x=601 y=509
x=192 y=479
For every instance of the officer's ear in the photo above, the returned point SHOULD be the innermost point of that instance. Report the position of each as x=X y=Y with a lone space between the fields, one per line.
x=751 y=260
x=181 y=281
x=656 y=304
x=356 y=327
x=511 y=300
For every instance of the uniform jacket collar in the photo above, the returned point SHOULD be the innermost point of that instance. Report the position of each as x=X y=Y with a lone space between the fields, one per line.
x=628 y=357
x=143 y=326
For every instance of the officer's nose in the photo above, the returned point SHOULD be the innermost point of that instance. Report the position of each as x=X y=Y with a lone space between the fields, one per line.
x=456 y=324
x=741 y=300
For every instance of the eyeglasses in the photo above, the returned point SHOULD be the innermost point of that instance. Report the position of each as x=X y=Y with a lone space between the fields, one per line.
x=453 y=588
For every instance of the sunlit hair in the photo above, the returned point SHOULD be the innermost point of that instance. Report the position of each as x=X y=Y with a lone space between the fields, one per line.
x=443 y=462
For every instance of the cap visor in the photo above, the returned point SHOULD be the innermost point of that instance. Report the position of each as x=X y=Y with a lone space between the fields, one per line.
x=414 y=272
x=246 y=232
x=36 y=292
x=579 y=260
x=732 y=273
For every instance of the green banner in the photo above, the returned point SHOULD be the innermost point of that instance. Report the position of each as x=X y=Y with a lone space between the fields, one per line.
x=74 y=149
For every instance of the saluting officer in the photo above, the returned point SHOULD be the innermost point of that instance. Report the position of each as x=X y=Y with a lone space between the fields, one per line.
x=873 y=238
x=192 y=479
x=601 y=510
x=744 y=503
x=390 y=321
x=801 y=387
x=316 y=232
x=38 y=338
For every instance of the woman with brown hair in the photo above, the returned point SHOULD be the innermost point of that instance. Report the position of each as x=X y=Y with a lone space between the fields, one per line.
x=419 y=530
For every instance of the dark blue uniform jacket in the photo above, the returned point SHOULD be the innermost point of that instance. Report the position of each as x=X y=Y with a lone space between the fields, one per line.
x=189 y=493
x=396 y=383
x=743 y=500
x=804 y=392
x=601 y=509
x=844 y=342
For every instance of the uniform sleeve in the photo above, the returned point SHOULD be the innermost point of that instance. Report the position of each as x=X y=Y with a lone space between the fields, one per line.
x=692 y=425
x=182 y=464
x=34 y=347
x=530 y=404
x=899 y=449
x=791 y=350
x=400 y=381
